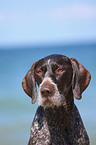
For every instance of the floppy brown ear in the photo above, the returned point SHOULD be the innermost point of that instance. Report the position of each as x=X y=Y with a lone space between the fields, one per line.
x=29 y=84
x=81 y=78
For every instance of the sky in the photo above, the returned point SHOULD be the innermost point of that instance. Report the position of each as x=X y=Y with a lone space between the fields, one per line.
x=52 y=21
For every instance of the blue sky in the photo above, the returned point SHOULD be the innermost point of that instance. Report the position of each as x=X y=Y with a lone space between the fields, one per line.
x=41 y=21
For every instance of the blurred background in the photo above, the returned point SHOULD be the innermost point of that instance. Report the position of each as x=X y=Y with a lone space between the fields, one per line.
x=30 y=30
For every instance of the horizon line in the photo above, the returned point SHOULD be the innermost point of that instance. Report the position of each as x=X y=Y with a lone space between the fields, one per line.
x=33 y=46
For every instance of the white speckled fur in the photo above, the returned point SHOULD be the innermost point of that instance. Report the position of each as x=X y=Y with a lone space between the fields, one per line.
x=37 y=139
x=57 y=120
x=56 y=99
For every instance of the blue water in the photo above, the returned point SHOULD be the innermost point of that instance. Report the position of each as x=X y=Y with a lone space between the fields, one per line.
x=16 y=110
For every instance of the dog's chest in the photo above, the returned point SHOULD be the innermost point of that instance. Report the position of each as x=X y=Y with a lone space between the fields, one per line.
x=55 y=127
x=40 y=133
x=49 y=127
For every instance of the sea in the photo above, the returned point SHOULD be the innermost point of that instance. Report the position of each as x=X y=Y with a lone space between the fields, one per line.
x=16 y=109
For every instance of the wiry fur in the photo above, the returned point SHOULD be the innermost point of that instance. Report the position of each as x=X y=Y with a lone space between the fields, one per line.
x=57 y=120
x=55 y=100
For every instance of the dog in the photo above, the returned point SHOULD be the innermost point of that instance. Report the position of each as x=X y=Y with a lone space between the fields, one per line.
x=57 y=120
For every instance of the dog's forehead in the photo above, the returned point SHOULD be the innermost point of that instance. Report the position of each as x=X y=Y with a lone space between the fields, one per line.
x=53 y=59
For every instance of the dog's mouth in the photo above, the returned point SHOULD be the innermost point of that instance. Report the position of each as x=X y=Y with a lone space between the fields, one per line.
x=52 y=101
x=47 y=102
x=49 y=94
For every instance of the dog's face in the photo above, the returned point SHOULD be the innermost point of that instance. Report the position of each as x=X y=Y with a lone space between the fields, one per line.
x=54 y=77
x=58 y=78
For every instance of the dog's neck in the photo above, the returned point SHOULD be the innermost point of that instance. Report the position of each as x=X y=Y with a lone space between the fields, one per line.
x=62 y=113
x=56 y=115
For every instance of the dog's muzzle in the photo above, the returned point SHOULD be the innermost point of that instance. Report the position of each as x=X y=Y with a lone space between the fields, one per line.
x=49 y=94
x=47 y=89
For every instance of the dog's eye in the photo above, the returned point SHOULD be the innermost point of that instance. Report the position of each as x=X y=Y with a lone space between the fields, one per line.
x=40 y=72
x=59 y=70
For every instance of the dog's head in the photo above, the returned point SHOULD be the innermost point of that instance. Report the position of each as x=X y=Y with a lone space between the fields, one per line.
x=58 y=78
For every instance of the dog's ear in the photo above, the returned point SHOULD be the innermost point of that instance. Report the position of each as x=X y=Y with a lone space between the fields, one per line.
x=29 y=84
x=80 y=80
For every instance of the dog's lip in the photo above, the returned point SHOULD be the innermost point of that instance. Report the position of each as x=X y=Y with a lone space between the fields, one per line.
x=47 y=101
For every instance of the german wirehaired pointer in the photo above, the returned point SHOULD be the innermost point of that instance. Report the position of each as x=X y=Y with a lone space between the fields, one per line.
x=57 y=120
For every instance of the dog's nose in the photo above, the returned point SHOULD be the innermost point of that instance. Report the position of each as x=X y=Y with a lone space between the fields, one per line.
x=47 y=90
